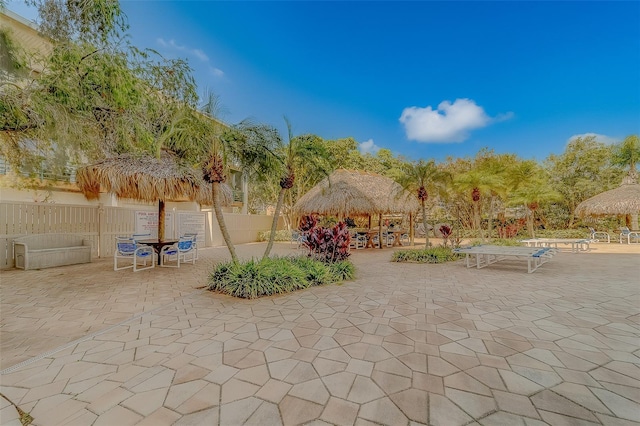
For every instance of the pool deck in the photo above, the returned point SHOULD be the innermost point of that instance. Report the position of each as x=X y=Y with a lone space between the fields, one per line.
x=401 y=344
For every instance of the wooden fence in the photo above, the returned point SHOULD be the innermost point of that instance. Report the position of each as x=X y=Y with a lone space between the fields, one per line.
x=101 y=225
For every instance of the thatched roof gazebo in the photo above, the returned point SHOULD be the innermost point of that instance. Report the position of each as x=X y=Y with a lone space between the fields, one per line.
x=623 y=200
x=147 y=178
x=348 y=193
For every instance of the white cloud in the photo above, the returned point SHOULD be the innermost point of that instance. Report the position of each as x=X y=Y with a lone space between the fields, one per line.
x=216 y=71
x=171 y=44
x=600 y=138
x=450 y=122
x=368 y=147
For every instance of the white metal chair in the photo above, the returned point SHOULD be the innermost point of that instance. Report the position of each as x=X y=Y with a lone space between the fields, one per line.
x=184 y=251
x=632 y=237
x=195 y=241
x=127 y=248
x=596 y=235
x=358 y=241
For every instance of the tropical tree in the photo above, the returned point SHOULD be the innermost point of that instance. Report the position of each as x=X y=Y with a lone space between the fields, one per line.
x=533 y=192
x=423 y=178
x=627 y=153
x=584 y=169
x=477 y=182
x=305 y=151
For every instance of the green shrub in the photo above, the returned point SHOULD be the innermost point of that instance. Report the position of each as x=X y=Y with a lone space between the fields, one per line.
x=512 y=242
x=342 y=270
x=275 y=275
x=281 y=235
x=430 y=255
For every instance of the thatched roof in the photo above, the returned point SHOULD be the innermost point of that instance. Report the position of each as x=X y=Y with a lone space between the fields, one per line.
x=349 y=193
x=622 y=200
x=147 y=178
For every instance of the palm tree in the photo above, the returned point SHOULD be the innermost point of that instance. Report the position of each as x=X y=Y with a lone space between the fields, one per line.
x=423 y=177
x=301 y=151
x=627 y=153
x=533 y=192
x=480 y=182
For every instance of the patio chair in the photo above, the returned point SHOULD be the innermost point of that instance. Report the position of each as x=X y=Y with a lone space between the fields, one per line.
x=632 y=237
x=127 y=248
x=138 y=237
x=184 y=251
x=358 y=241
x=193 y=235
x=405 y=240
x=594 y=235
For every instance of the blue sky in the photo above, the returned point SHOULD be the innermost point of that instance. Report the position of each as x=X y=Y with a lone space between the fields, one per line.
x=423 y=79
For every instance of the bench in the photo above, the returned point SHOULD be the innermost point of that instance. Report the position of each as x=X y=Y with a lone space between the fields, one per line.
x=485 y=255
x=39 y=251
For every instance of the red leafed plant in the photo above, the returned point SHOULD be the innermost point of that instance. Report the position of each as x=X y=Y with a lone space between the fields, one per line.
x=326 y=244
x=446 y=231
x=307 y=223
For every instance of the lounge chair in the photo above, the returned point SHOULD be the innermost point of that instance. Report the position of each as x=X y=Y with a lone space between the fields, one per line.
x=632 y=237
x=596 y=235
x=127 y=248
x=486 y=255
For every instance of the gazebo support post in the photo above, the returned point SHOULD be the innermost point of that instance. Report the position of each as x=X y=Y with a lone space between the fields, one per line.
x=161 y=220
x=380 y=230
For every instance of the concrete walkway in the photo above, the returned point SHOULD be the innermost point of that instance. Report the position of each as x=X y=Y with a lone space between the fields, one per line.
x=401 y=344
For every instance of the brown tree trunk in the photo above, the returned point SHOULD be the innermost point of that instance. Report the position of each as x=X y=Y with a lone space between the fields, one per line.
x=274 y=224
x=215 y=188
x=424 y=223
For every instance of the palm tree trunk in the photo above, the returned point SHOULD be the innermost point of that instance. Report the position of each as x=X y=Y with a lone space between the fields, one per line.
x=476 y=216
x=221 y=223
x=424 y=223
x=274 y=224
x=490 y=225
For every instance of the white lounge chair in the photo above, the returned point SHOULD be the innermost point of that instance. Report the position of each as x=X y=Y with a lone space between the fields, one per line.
x=486 y=255
x=596 y=235
x=631 y=237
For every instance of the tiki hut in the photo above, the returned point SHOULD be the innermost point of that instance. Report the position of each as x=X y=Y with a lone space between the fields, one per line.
x=147 y=178
x=621 y=201
x=348 y=193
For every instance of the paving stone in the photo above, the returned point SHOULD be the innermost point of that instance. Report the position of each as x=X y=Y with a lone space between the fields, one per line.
x=340 y=412
x=620 y=406
x=339 y=384
x=551 y=401
x=364 y=390
x=383 y=411
x=444 y=412
x=265 y=414
x=273 y=390
x=312 y=390
x=297 y=411
x=413 y=403
x=516 y=404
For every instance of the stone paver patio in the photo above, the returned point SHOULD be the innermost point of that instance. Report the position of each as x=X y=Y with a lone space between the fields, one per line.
x=401 y=344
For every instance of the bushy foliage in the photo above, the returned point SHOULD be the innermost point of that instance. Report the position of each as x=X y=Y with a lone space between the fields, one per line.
x=510 y=242
x=326 y=244
x=281 y=235
x=430 y=255
x=275 y=275
x=563 y=233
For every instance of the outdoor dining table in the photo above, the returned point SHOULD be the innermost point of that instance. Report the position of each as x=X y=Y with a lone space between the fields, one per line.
x=157 y=246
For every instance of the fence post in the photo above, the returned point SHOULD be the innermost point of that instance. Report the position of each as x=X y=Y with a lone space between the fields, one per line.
x=101 y=226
